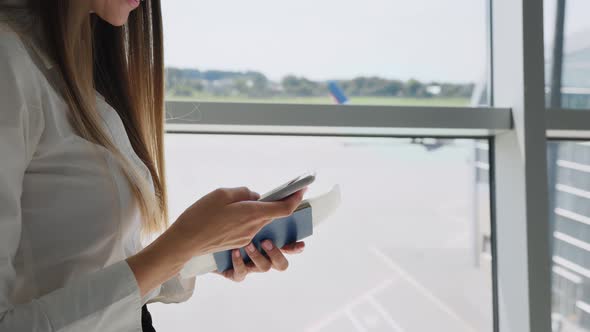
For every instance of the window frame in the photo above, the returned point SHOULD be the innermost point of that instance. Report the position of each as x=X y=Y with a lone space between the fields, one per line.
x=338 y=120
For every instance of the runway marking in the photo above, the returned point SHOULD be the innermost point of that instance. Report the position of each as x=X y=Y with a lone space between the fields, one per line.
x=379 y=307
x=342 y=311
x=421 y=289
x=325 y=322
x=355 y=322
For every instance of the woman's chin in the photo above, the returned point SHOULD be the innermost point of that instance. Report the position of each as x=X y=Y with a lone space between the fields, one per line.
x=118 y=21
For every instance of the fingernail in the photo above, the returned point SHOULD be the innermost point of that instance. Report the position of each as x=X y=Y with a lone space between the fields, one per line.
x=250 y=248
x=267 y=245
x=236 y=253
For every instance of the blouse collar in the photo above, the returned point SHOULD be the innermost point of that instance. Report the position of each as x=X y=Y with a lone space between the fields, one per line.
x=18 y=19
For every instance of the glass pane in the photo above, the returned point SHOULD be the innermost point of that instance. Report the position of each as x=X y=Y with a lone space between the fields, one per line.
x=408 y=248
x=567 y=53
x=373 y=52
x=569 y=183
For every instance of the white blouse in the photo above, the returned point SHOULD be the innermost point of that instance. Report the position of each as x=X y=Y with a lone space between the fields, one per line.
x=68 y=219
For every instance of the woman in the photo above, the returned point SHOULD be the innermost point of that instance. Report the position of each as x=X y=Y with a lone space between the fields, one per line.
x=81 y=173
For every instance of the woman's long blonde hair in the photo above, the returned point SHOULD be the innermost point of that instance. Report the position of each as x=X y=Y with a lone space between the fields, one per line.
x=125 y=65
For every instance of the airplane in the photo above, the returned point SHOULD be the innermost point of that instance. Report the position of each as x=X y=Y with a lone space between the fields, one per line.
x=340 y=98
x=337 y=93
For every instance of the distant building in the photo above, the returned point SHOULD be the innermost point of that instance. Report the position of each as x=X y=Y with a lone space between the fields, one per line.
x=434 y=89
x=576 y=71
x=569 y=188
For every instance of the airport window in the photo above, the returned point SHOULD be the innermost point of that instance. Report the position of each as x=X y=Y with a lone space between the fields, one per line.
x=431 y=53
x=383 y=262
x=464 y=94
x=567 y=54
x=569 y=190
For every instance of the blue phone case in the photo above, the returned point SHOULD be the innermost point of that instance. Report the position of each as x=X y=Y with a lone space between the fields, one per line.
x=281 y=231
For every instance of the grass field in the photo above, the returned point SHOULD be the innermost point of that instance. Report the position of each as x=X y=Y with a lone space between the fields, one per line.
x=382 y=101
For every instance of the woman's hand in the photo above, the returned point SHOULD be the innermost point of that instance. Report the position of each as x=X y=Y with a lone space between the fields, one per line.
x=223 y=219
x=227 y=219
x=259 y=263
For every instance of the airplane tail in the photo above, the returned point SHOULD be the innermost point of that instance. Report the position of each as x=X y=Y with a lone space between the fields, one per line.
x=337 y=93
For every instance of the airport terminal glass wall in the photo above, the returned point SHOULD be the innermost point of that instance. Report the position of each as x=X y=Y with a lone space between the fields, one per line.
x=569 y=188
x=567 y=53
x=406 y=251
x=412 y=247
x=371 y=52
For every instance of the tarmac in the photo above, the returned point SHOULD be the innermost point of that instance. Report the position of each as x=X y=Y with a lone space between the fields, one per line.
x=399 y=254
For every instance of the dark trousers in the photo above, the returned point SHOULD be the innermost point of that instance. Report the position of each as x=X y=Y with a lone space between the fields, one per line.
x=146 y=320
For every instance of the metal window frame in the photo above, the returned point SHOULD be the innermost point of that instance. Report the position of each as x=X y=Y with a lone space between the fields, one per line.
x=518 y=126
x=335 y=120
x=520 y=174
x=568 y=124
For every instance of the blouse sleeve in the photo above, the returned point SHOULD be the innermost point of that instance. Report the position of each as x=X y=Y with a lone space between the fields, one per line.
x=175 y=290
x=106 y=300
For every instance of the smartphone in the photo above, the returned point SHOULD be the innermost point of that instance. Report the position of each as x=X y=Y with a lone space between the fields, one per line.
x=289 y=188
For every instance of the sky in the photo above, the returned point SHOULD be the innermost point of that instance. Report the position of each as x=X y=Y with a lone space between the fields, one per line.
x=430 y=40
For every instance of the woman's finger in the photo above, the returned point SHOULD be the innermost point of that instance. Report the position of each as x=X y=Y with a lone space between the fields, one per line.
x=262 y=263
x=232 y=195
x=252 y=268
x=272 y=210
x=254 y=196
x=240 y=270
x=277 y=259
x=293 y=248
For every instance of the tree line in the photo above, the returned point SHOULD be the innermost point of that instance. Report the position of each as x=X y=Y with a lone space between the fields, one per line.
x=191 y=82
